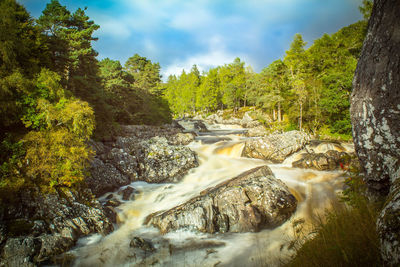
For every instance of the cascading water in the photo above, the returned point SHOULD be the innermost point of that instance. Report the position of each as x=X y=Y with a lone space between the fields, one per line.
x=219 y=161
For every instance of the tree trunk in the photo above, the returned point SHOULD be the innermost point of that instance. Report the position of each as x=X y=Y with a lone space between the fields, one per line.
x=279 y=112
x=274 y=114
x=375 y=116
x=375 y=101
x=301 y=115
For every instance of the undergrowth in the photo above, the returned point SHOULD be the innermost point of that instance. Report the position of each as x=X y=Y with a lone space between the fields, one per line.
x=345 y=236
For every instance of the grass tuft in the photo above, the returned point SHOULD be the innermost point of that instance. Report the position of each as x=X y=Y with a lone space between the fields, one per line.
x=345 y=236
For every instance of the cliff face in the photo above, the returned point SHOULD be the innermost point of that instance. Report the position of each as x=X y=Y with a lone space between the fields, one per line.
x=375 y=114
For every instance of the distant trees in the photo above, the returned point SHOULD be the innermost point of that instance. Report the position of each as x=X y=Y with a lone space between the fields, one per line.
x=309 y=89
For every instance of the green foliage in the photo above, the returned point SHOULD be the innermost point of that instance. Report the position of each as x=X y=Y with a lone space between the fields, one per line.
x=130 y=104
x=366 y=8
x=55 y=158
x=146 y=74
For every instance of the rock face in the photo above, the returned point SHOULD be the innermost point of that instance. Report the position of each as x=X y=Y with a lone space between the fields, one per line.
x=375 y=115
x=139 y=156
x=49 y=225
x=275 y=147
x=331 y=160
x=246 y=203
x=160 y=162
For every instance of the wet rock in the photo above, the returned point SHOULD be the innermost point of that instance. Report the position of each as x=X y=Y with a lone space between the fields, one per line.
x=127 y=192
x=275 y=147
x=161 y=162
x=331 y=160
x=249 y=202
x=200 y=126
x=113 y=203
x=105 y=177
x=111 y=213
x=144 y=244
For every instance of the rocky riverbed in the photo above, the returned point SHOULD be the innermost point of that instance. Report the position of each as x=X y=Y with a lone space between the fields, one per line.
x=219 y=184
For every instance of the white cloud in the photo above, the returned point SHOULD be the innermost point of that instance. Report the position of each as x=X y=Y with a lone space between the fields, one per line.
x=216 y=55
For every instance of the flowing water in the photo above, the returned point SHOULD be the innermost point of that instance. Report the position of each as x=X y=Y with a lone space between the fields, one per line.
x=219 y=161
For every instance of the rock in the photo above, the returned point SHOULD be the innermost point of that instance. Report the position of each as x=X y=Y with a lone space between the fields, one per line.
x=128 y=144
x=105 y=177
x=68 y=214
x=161 y=162
x=127 y=192
x=111 y=213
x=317 y=161
x=249 y=122
x=257 y=131
x=249 y=202
x=200 y=126
x=144 y=244
x=181 y=139
x=126 y=163
x=275 y=147
x=20 y=252
x=388 y=226
x=113 y=203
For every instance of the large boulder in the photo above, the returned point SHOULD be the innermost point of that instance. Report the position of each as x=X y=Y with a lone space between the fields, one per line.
x=275 y=147
x=160 y=162
x=247 y=203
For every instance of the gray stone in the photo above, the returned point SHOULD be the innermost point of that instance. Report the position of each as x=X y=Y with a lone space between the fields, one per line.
x=249 y=202
x=161 y=162
x=105 y=177
x=275 y=147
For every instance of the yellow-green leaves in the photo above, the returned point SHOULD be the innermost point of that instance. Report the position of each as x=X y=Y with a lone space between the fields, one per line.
x=55 y=158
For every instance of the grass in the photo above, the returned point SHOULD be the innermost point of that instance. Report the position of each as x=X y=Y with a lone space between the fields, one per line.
x=345 y=236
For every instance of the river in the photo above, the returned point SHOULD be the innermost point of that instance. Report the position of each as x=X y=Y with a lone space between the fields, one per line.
x=219 y=155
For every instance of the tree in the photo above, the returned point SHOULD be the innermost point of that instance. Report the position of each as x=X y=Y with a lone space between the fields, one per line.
x=146 y=74
x=295 y=60
x=21 y=50
x=233 y=80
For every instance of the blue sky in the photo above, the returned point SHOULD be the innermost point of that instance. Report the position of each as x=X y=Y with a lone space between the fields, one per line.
x=180 y=33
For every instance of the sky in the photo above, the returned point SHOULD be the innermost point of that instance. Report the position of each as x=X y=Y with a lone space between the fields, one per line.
x=208 y=33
